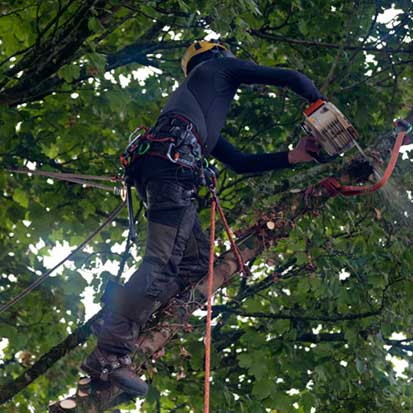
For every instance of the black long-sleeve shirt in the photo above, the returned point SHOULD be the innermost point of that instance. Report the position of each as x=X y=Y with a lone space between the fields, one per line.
x=241 y=162
x=205 y=97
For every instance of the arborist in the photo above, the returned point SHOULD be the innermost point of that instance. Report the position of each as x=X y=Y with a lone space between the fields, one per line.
x=167 y=170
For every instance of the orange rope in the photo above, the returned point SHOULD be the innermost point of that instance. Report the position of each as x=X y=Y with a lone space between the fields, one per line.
x=242 y=267
x=214 y=205
x=209 y=311
x=333 y=186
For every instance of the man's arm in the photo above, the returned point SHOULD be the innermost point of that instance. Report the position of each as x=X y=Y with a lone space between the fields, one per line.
x=241 y=162
x=243 y=71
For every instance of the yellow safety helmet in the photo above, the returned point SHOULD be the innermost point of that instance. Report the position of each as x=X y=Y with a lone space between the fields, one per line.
x=197 y=48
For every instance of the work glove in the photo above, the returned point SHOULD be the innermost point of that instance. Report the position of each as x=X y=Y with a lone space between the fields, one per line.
x=305 y=151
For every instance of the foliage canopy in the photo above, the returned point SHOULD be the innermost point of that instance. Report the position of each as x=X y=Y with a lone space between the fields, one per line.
x=77 y=76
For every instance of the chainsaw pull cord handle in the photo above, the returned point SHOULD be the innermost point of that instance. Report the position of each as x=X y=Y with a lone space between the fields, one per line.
x=334 y=187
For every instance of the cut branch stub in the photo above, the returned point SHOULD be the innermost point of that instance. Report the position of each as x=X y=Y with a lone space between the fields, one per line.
x=68 y=405
x=64 y=406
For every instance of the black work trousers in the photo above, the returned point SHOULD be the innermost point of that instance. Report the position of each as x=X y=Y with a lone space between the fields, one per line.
x=177 y=252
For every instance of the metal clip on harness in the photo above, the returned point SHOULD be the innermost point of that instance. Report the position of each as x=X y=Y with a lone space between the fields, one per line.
x=125 y=160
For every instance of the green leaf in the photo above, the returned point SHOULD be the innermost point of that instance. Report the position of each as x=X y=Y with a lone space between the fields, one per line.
x=303 y=26
x=153 y=395
x=97 y=61
x=21 y=197
x=69 y=72
x=263 y=388
x=94 y=25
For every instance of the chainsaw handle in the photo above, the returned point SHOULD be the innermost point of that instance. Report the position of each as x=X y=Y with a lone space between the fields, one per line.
x=402 y=124
x=322 y=158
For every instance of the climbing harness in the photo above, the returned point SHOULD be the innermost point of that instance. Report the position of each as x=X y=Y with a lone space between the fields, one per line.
x=43 y=277
x=181 y=145
x=403 y=130
x=135 y=146
x=173 y=138
x=215 y=204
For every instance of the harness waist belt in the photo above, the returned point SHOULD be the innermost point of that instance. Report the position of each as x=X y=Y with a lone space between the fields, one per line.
x=175 y=139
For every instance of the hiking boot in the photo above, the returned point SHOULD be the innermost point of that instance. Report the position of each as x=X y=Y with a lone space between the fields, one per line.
x=116 y=369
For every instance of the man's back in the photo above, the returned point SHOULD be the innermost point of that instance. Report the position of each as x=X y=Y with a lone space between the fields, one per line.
x=205 y=96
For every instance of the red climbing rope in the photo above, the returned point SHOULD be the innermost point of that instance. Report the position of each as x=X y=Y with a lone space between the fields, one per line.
x=242 y=267
x=209 y=310
x=43 y=277
x=334 y=187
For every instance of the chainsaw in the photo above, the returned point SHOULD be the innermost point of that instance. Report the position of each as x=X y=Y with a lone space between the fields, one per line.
x=330 y=128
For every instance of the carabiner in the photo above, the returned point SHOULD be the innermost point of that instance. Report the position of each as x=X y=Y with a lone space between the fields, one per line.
x=144 y=148
x=168 y=154
x=123 y=192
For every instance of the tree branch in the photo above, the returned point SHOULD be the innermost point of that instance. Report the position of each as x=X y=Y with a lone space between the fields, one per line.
x=79 y=336
x=313 y=43
x=281 y=316
x=134 y=53
x=166 y=324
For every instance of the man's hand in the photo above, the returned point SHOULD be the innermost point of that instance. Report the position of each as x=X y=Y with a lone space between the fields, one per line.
x=302 y=152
